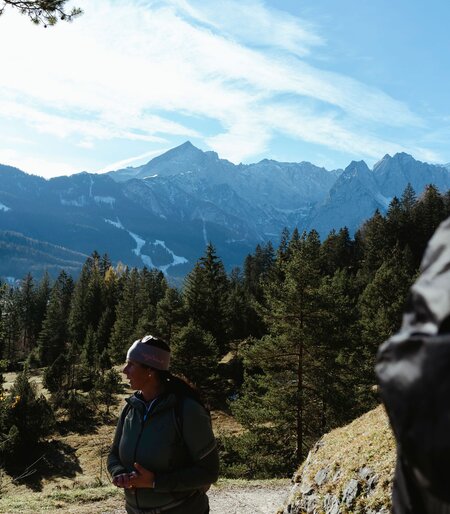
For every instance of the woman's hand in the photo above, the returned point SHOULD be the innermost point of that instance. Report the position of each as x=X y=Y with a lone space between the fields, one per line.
x=141 y=477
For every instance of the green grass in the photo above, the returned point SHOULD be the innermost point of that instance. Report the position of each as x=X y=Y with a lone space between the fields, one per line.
x=367 y=441
x=57 y=499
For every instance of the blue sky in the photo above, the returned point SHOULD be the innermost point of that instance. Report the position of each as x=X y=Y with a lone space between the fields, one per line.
x=294 y=80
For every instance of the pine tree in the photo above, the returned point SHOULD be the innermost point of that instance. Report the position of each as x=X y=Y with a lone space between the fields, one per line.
x=372 y=239
x=153 y=286
x=89 y=358
x=10 y=324
x=56 y=375
x=54 y=337
x=279 y=366
x=3 y=317
x=337 y=252
x=257 y=268
x=429 y=212
x=30 y=413
x=128 y=313
x=41 y=301
x=244 y=320
x=26 y=297
x=195 y=354
x=78 y=318
x=383 y=300
x=170 y=314
x=205 y=295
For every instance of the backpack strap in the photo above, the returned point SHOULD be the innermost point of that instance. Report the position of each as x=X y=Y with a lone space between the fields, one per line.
x=125 y=411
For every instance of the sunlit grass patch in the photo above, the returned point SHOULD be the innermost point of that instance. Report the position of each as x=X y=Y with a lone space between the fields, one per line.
x=62 y=499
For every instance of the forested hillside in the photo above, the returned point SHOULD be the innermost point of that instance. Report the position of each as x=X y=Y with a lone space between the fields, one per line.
x=286 y=343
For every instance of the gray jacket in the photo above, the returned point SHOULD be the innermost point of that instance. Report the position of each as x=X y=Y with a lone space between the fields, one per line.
x=183 y=463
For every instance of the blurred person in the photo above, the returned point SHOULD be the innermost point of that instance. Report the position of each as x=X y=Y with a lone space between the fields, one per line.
x=413 y=369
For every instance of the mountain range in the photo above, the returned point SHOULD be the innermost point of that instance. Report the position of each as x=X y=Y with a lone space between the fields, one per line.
x=163 y=214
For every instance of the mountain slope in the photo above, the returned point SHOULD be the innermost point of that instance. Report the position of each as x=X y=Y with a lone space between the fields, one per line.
x=335 y=480
x=359 y=191
x=165 y=212
x=393 y=173
x=20 y=255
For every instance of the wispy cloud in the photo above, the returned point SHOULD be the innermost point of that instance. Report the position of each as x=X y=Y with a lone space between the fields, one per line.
x=253 y=23
x=131 y=160
x=126 y=70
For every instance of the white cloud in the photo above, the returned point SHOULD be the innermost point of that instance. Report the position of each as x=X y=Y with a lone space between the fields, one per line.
x=126 y=70
x=36 y=165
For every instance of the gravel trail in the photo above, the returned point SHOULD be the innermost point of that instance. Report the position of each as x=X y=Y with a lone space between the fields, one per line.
x=254 y=497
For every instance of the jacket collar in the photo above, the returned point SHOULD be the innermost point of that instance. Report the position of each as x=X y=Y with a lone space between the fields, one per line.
x=162 y=402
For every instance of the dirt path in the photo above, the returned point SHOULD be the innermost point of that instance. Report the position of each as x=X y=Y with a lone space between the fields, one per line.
x=251 y=498
x=258 y=497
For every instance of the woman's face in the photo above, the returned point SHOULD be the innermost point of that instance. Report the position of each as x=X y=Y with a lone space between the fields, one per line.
x=137 y=374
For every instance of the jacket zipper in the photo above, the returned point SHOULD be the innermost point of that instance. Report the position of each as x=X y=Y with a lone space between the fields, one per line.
x=144 y=419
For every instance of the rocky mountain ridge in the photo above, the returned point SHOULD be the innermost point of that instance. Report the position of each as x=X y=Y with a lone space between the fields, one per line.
x=163 y=214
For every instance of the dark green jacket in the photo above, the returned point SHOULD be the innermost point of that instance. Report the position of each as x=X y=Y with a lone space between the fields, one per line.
x=183 y=463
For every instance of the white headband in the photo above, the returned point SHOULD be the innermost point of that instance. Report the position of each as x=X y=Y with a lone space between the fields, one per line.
x=149 y=355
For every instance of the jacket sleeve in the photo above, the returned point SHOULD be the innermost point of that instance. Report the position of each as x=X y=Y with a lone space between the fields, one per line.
x=202 y=447
x=115 y=467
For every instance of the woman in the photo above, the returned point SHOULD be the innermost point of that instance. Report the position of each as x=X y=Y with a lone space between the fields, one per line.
x=164 y=453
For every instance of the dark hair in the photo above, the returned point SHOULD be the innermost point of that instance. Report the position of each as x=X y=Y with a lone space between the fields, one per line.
x=180 y=386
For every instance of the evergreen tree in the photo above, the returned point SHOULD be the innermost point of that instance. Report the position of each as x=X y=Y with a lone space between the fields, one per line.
x=26 y=299
x=111 y=291
x=53 y=338
x=170 y=314
x=106 y=387
x=279 y=367
x=153 y=286
x=89 y=360
x=105 y=265
x=128 y=313
x=257 y=268
x=372 y=239
x=381 y=306
x=205 y=296
x=244 y=320
x=10 y=324
x=30 y=413
x=428 y=213
x=42 y=298
x=282 y=251
x=195 y=354
x=383 y=300
x=56 y=375
x=78 y=318
x=3 y=317
x=337 y=252
x=95 y=296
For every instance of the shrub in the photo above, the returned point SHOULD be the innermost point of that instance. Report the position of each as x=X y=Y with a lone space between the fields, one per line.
x=25 y=419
